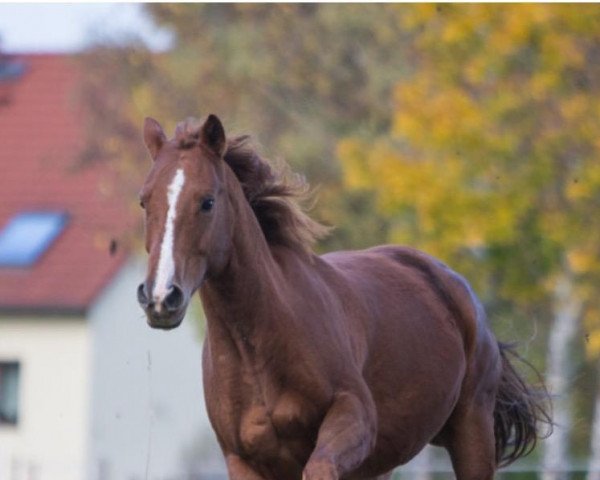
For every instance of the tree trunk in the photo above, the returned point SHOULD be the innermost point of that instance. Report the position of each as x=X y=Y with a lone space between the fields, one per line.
x=567 y=310
x=594 y=465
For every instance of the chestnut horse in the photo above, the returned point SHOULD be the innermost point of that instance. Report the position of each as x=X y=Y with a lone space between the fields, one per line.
x=319 y=367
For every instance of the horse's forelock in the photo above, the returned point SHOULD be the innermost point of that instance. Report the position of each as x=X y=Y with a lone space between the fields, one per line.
x=187 y=133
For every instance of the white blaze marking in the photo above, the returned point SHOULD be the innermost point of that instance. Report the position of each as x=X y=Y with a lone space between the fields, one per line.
x=166 y=264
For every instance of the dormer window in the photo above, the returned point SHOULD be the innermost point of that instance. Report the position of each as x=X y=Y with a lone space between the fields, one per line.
x=28 y=235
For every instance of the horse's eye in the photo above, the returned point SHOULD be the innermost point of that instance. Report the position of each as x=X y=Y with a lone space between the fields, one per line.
x=142 y=204
x=207 y=204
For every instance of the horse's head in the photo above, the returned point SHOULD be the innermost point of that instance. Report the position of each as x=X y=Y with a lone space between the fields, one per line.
x=187 y=229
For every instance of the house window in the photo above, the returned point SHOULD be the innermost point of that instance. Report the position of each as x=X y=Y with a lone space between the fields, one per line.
x=9 y=393
x=27 y=236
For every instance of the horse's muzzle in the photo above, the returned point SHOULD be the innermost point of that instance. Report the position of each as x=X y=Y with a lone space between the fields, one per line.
x=166 y=314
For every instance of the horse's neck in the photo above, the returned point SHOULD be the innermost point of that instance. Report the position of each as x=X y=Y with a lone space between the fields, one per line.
x=248 y=293
x=245 y=304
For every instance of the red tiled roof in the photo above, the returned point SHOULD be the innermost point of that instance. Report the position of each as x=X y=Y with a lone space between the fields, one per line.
x=41 y=134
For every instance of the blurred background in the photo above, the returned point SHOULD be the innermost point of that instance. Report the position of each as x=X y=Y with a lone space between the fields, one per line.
x=469 y=131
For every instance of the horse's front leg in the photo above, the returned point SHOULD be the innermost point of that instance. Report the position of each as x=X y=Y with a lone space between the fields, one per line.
x=346 y=437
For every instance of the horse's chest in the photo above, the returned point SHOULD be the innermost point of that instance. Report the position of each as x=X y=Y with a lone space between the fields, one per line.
x=283 y=430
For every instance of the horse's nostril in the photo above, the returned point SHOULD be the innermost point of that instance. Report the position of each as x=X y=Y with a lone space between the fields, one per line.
x=174 y=299
x=142 y=296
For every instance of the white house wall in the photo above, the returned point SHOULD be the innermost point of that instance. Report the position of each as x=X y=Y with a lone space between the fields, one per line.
x=147 y=405
x=50 y=439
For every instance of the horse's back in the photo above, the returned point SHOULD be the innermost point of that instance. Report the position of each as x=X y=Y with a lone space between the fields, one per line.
x=422 y=323
x=402 y=287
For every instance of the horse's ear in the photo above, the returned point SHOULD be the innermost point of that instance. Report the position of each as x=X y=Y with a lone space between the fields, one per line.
x=154 y=136
x=212 y=135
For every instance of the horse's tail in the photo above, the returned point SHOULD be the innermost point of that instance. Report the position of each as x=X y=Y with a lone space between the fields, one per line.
x=520 y=412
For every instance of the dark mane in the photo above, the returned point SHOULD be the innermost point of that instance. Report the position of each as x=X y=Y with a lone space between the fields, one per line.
x=274 y=196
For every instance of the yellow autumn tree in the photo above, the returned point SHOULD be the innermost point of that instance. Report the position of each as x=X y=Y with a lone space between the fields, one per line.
x=493 y=161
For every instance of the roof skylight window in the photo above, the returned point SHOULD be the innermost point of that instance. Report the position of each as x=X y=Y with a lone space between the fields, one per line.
x=28 y=235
